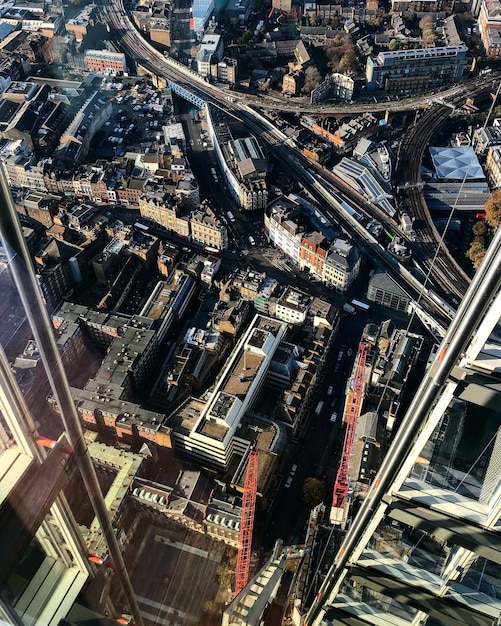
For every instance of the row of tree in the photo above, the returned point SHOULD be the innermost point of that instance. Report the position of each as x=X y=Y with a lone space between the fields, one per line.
x=484 y=229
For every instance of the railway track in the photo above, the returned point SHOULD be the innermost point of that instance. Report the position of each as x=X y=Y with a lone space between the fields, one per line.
x=429 y=251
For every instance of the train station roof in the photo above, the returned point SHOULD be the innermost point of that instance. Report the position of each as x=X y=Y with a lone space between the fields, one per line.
x=456 y=163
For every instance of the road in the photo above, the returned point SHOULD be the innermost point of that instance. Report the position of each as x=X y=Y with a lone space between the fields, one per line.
x=446 y=273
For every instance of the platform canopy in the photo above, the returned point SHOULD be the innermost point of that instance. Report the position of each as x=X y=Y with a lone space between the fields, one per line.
x=456 y=163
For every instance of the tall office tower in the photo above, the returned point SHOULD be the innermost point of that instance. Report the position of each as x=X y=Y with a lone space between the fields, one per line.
x=424 y=546
x=47 y=576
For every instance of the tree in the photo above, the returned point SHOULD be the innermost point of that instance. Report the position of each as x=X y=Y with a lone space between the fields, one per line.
x=393 y=45
x=493 y=209
x=341 y=55
x=348 y=61
x=245 y=38
x=312 y=78
x=425 y=21
x=313 y=491
x=479 y=228
x=476 y=252
x=225 y=574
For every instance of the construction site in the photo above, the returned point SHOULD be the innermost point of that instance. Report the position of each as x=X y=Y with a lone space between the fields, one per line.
x=374 y=391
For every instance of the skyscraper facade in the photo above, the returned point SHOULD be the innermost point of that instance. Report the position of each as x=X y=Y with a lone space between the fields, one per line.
x=47 y=574
x=424 y=546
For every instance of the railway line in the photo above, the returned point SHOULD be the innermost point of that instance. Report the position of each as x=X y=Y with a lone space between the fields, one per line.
x=445 y=274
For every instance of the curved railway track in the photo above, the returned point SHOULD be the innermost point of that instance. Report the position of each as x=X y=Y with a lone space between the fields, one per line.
x=445 y=275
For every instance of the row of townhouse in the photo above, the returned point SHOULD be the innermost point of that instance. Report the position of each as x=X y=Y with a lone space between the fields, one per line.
x=336 y=263
x=201 y=225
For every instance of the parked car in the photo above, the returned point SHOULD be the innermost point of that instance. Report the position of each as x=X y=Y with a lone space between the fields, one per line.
x=334 y=417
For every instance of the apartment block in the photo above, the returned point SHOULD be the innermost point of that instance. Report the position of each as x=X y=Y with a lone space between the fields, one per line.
x=105 y=62
x=407 y=72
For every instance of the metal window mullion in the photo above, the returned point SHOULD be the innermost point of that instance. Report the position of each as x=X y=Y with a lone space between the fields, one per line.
x=424 y=435
x=34 y=306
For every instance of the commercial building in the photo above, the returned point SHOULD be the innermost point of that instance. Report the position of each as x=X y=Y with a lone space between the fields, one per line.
x=242 y=160
x=383 y=290
x=206 y=228
x=209 y=431
x=202 y=12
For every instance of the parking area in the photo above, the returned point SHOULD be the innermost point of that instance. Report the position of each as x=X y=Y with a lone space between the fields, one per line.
x=139 y=112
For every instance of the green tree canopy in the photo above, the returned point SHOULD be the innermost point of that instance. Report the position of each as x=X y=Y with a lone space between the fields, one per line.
x=244 y=38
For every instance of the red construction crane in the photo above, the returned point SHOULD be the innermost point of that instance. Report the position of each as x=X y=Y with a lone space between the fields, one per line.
x=247 y=522
x=352 y=410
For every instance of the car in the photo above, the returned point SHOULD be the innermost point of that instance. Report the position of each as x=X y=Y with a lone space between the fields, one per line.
x=293 y=469
x=334 y=417
x=288 y=482
x=330 y=390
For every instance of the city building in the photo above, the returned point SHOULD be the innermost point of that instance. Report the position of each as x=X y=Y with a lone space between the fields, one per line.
x=408 y=72
x=225 y=70
x=384 y=290
x=489 y=22
x=421 y=6
x=431 y=510
x=342 y=265
x=210 y=53
x=242 y=160
x=48 y=573
x=335 y=86
x=292 y=306
x=202 y=12
x=313 y=253
x=493 y=167
x=207 y=229
x=293 y=82
x=105 y=62
x=238 y=12
x=485 y=138
x=208 y=432
x=80 y=25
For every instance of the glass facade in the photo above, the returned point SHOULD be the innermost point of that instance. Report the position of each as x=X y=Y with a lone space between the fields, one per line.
x=423 y=546
x=48 y=572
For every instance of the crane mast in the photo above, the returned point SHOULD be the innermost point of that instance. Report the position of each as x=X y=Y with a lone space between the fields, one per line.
x=247 y=522
x=352 y=409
